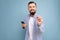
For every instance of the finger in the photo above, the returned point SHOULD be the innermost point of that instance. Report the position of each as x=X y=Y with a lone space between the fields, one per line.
x=39 y=18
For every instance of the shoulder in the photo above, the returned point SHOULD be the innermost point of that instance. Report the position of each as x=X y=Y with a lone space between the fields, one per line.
x=27 y=16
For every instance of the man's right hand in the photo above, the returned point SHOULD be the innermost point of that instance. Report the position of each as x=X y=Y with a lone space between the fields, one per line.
x=24 y=26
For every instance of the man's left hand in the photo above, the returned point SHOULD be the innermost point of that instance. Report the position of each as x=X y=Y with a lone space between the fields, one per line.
x=39 y=20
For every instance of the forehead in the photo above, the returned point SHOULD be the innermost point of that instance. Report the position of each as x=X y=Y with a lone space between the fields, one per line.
x=32 y=4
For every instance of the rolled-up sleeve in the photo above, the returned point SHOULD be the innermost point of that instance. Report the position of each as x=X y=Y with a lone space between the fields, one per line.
x=41 y=28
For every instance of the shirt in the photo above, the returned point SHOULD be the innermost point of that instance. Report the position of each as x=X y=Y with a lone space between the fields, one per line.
x=37 y=30
x=31 y=24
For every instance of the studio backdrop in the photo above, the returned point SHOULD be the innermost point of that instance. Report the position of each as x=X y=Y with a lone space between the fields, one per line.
x=12 y=12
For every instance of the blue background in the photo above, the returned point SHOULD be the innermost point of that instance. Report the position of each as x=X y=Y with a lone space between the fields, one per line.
x=12 y=12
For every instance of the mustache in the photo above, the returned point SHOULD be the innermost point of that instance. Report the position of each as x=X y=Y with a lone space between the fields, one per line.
x=32 y=10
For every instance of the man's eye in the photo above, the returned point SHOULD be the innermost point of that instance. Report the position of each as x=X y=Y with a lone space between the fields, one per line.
x=33 y=6
x=29 y=7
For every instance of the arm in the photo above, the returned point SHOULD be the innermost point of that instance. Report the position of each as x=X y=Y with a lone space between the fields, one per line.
x=26 y=22
x=41 y=28
x=40 y=24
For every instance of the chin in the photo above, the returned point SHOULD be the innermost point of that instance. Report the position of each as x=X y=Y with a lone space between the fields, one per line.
x=32 y=13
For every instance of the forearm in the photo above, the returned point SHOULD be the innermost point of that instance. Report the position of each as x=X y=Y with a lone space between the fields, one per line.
x=41 y=28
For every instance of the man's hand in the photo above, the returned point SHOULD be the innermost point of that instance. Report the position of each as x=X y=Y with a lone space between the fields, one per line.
x=39 y=20
x=24 y=26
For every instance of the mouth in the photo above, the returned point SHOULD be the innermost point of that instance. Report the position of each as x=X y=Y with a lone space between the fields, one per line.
x=32 y=12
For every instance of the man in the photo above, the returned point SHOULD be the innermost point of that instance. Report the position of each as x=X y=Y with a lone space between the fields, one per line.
x=33 y=23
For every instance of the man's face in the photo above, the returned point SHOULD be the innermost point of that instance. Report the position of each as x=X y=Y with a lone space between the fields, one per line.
x=32 y=8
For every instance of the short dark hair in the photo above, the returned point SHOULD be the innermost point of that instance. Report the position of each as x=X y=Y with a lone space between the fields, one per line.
x=31 y=2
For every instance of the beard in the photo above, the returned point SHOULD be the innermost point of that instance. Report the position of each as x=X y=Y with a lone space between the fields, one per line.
x=32 y=13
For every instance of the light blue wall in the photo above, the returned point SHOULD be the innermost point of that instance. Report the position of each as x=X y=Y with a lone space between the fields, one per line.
x=12 y=12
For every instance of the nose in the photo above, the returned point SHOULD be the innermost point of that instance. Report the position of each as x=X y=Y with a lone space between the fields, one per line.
x=32 y=8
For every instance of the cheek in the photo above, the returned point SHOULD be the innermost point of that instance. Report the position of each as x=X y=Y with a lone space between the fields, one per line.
x=35 y=9
x=29 y=9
